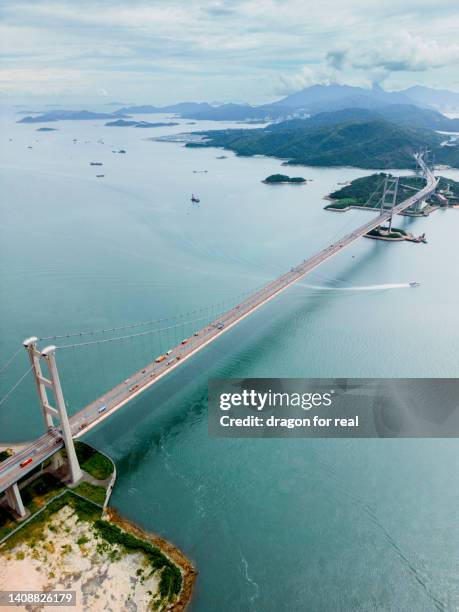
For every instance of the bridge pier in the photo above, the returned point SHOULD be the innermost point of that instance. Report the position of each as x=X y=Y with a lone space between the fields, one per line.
x=420 y=204
x=14 y=500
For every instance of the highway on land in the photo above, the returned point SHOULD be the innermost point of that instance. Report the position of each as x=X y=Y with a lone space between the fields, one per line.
x=103 y=407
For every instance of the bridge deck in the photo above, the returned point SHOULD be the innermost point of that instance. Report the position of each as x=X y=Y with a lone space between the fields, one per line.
x=103 y=407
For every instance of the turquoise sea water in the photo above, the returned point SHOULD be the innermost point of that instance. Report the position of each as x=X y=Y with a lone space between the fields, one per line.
x=271 y=524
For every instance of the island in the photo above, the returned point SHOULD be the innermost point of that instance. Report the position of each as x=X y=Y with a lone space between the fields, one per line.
x=68 y=115
x=344 y=138
x=276 y=179
x=366 y=192
x=74 y=541
x=394 y=234
x=139 y=124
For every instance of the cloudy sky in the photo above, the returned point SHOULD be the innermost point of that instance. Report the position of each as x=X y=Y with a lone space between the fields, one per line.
x=163 y=51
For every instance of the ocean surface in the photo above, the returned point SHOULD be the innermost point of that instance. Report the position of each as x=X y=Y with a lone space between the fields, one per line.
x=297 y=525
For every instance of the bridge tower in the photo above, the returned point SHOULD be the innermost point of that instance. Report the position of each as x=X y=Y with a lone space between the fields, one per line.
x=424 y=163
x=60 y=413
x=389 y=197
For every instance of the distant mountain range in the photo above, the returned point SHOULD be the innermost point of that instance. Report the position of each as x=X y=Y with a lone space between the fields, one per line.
x=180 y=108
x=367 y=143
x=309 y=101
x=205 y=111
x=441 y=99
x=335 y=97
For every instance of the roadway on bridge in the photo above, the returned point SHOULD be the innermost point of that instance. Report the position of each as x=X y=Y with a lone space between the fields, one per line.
x=103 y=407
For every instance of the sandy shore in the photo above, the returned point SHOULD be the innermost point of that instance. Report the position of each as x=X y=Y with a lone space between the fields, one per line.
x=69 y=555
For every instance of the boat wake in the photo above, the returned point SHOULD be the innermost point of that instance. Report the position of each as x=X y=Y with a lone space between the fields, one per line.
x=359 y=288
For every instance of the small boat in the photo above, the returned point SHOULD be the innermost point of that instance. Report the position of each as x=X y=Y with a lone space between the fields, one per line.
x=194 y=198
x=100 y=175
x=415 y=284
x=95 y=163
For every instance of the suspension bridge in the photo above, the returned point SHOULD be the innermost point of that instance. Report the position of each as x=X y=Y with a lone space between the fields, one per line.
x=69 y=428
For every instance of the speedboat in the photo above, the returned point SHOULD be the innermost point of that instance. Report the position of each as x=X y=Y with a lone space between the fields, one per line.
x=414 y=284
x=195 y=199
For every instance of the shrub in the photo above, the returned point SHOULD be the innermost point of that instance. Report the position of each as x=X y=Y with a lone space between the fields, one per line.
x=171 y=577
x=91 y=492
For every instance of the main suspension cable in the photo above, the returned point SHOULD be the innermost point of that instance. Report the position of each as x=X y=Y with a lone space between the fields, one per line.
x=142 y=323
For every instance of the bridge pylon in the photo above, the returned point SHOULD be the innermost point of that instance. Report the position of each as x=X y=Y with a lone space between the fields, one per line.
x=60 y=413
x=389 y=197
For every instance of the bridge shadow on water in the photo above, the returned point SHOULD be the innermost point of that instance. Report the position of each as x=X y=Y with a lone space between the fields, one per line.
x=179 y=400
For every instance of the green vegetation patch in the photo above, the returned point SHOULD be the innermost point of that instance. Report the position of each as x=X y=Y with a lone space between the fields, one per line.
x=343 y=204
x=359 y=190
x=171 y=577
x=41 y=490
x=31 y=532
x=394 y=233
x=94 y=463
x=92 y=492
x=399 y=230
x=34 y=495
x=7 y=523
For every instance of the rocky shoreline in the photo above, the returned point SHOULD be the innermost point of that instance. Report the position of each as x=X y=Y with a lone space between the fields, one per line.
x=189 y=573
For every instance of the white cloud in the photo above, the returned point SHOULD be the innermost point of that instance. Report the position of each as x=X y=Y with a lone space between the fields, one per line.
x=307 y=76
x=375 y=62
x=217 y=48
x=403 y=52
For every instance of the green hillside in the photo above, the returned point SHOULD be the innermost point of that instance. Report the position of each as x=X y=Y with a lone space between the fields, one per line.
x=364 y=144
